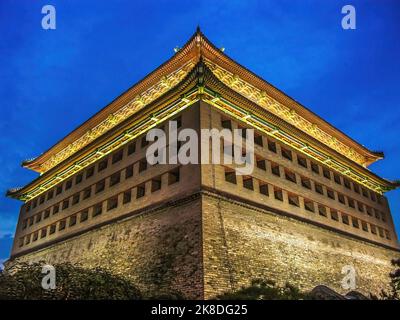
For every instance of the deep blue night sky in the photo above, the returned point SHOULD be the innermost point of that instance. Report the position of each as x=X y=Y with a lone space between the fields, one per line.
x=51 y=81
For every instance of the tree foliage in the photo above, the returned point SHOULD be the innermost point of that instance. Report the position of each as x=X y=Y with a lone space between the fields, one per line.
x=394 y=293
x=24 y=281
x=265 y=290
x=395 y=275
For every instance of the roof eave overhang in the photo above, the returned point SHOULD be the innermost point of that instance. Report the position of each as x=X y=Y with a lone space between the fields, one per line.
x=179 y=92
x=198 y=46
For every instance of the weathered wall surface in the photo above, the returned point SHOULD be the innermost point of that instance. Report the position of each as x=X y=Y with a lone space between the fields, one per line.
x=207 y=245
x=241 y=243
x=159 y=251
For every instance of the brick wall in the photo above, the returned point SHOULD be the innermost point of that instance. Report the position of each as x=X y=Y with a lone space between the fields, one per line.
x=158 y=251
x=241 y=243
x=206 y=245
x=210 y=244
x=213 y=176
x=189 y=182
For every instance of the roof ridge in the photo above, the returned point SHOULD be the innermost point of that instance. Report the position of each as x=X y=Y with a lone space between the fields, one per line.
x=197 y=48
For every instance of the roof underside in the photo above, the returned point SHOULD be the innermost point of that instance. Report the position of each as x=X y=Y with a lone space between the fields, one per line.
x=266 y=98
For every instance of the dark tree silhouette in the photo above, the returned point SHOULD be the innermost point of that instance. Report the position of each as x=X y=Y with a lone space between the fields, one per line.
x=395 y=276
x=24 y=281
x=265 y=290
x=394 y=293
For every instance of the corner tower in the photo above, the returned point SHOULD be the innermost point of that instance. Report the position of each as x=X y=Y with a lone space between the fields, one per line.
x=310 y=207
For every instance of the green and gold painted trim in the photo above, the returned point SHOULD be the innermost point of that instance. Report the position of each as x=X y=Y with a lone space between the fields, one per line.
x=206 y=94
x=137 y=129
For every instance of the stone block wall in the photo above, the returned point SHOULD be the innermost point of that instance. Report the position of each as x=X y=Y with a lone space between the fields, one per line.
x=208 y=244
x=159 y=251
x=242 y=243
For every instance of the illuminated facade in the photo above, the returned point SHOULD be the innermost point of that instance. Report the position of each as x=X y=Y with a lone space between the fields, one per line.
x=310 y=196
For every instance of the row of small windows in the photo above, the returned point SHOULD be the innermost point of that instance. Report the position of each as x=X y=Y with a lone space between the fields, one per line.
x=326 y=173
x=230 y=176
x=102 y=165
x=318 y=188
x=86 y=193
x=314 y=167
x=98 y=209
x=89 y=172
x=309 y=205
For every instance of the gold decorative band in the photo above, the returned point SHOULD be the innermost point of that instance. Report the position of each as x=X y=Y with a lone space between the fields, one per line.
x=290 y=140
x=202 y=93
x=289 y=115
x=138 y=128
x=164 y=85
